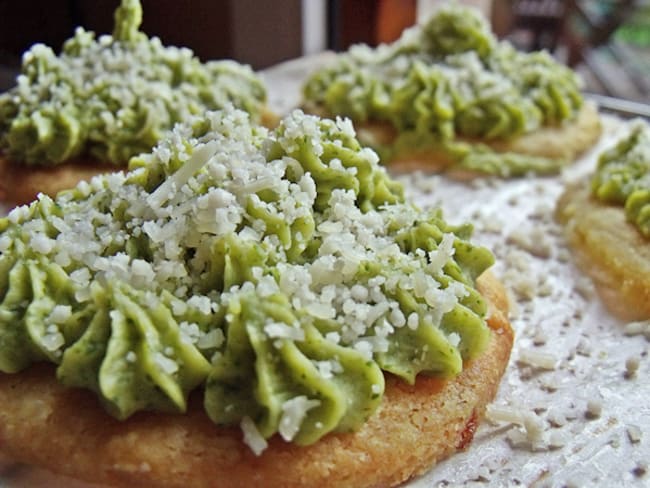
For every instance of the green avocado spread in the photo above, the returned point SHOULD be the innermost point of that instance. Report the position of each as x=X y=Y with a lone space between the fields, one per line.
x=113 y=97
x=446 y=79
x=281 y=272
x=623 y=176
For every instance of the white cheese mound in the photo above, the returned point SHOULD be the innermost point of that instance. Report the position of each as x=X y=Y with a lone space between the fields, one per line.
x=211 y=195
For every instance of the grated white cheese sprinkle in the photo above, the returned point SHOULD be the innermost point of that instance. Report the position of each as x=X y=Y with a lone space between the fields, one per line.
x=538 y=359
x=214 y=338
x=594 y=408
x=279 y=330
x=294 y=412
x=634 y=433
x=59 y=314
x=167 y=365
x=53 y=339
x=252 y=436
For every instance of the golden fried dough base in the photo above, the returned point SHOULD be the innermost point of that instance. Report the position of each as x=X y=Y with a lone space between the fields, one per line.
x=20 y=183
x=610 y=249
x=269 y=119
x=64 y=430
x=566 y=141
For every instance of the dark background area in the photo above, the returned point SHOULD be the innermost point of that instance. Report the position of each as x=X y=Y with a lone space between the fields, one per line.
x=259 y=33
x=607 y=41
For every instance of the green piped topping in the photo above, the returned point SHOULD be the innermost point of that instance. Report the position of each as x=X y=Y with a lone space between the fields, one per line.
x=450 y=78
x=623 y=176
x=282 y=272
x=113 y=97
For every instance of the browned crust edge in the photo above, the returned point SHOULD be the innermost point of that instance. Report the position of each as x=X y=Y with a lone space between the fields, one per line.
x=20 y=184
x=65 y=431
x=608 y=249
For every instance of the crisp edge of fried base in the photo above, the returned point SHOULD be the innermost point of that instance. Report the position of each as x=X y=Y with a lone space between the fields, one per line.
x=566 y=141
x=21 y=183
x=609 y=249
x=64 y=430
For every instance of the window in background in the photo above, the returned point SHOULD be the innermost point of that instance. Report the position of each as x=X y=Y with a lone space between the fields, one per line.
x=608 y=42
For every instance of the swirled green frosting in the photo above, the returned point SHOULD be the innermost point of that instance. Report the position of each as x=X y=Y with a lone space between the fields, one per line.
x=282 y=272
x=623 y=176
x=448 y=78
x=113 y=97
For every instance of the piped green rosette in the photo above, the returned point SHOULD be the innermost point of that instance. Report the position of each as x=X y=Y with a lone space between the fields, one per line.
x=448 y=79
x=112 y=97
x=623 y=176
x=281 y=272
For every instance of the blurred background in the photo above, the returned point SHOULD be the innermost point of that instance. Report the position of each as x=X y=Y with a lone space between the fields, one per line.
x=607 y=41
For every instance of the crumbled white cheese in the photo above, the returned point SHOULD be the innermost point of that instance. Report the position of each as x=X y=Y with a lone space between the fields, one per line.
x=637 y=328
x=584 y=287
x=534 y=426
x=556 y=417
x=558 y=439
x=294 y=412
x=280 y=330
x=59 y=314
x=53 y=339
x=213 y=338
x=634 y=433
x=538 y=359
x=42 y=244
x=594 y=408
x=534 y=241
x=498 y=414
x=631 y=366
x=252 y=436
x=167 y=365
x=174 y=243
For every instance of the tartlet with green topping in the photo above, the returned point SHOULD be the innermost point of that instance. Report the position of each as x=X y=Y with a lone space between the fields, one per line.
x=245 y=305
x=449 y=96
x=608 y=224
x=104 y=100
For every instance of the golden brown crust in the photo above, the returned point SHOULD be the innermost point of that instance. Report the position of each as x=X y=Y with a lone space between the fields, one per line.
x=65 y=431
x=20 y=184
x=610 y=249
x=269 y=119
x=566 y=141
